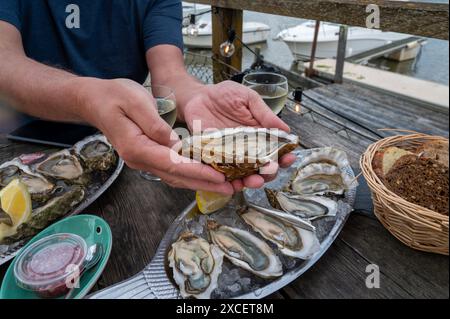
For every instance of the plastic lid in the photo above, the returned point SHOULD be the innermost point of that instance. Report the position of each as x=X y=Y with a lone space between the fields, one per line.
x=50 y=261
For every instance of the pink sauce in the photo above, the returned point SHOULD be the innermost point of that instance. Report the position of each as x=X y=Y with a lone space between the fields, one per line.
x=50 y=263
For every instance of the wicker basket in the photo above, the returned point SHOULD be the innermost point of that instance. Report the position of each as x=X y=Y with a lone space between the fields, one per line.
x=418 y=227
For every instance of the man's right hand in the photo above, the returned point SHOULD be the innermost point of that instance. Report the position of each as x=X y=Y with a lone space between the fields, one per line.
x=126 y=113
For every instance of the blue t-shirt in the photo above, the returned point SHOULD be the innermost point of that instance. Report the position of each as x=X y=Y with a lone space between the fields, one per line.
x=99 y=38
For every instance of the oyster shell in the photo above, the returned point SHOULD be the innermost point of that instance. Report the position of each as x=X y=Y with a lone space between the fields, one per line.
x=96 y=152
x=196 y=266
x=62 y=165
x=291 y=240
x=327 y=155
x=245 y=250
x=43 y=216
x=308 y=207
x=320 y=179
x=39 y=187
x=239 y=152
x=5 y=218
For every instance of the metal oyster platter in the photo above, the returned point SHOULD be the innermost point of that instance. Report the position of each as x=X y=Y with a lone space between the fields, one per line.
x=61 y=184
x=159 y=278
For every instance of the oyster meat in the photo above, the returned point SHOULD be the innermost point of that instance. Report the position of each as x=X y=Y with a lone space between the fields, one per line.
x=96 y=152
x=320 y=179
x=196 y=266
x=239 y=152
x=62 y=165
x=246 y=250
x=41 y=217
x=292 y=240
x=308 y=207
x=39 y=187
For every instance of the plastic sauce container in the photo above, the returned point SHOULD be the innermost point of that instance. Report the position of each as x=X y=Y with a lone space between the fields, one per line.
x=51 y=265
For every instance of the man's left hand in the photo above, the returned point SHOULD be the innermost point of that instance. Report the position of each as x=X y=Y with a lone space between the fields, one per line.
x=229 y=104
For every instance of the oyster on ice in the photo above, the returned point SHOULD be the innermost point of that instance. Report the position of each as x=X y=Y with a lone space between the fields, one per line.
x=320 y=179
x=327 y=155
x=308 y=207
x=62 y=165
x=292 y=240
x=245 y=250
x=96 y=152
x=239 y=152
x=39 y=187
x=196 y=266
x=41 y=217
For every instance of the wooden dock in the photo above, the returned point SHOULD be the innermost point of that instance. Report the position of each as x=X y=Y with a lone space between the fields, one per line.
x=417 y=91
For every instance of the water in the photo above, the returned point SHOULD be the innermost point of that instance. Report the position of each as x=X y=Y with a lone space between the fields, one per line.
x=432 y=64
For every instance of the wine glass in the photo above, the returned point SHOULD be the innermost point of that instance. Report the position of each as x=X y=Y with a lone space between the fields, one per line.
x=167 y=109
x=272 y=87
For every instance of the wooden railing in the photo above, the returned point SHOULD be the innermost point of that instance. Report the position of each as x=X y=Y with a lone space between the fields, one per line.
x=417 y=18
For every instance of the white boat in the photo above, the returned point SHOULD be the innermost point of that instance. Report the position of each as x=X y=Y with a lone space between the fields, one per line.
x=300 y=39
x=199 y=35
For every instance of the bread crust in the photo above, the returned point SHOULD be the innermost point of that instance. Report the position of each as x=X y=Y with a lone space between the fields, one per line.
x=436 y=150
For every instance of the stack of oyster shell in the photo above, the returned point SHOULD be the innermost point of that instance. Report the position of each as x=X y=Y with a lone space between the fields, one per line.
x=57 y=182
x=313 y=192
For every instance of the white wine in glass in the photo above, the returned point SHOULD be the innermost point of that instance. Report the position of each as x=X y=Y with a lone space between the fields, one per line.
x=272 y=87
x=167 y=110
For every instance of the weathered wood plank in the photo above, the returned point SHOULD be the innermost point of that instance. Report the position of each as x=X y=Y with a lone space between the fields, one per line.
x=314 y=134
x=423 y=275
x=376 y=111
x=424 y=19
x=330 y=116
x=340 y=274
x=224 y=20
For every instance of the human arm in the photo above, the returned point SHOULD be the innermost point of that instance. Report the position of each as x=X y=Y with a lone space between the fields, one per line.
x=123 y=110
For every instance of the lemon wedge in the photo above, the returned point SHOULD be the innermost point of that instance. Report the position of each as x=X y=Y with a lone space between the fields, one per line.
x=209 y=202
x=15 y=200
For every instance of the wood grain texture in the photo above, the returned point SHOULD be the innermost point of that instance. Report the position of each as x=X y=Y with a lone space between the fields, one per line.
x=139 y=212
x=224 y=20
x=423 y=19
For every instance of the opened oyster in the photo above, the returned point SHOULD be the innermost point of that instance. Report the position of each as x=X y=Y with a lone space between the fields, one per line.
x=292 y=240
x=39 y=187
x=308 y=207
x=41 y=217
x=239 y=152
x=63 y=165
x=96 y=152
x=320 y=179
x=196 y=266
x=245 y=250
x=326 y=155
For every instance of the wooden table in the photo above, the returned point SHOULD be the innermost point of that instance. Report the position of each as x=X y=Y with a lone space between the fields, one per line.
x=139 y=212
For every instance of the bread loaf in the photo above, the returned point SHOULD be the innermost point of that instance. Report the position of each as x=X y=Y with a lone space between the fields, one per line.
x=420 y=180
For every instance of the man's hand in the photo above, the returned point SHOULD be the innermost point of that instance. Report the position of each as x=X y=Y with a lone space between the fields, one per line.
x=126 y=113
x=229 y=104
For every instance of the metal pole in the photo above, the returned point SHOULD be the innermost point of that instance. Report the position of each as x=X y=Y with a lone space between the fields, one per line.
x=341 y=52
x=310 y=71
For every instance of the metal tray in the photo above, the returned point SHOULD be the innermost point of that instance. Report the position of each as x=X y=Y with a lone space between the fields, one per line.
x=155 y=283
x=8 y=252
